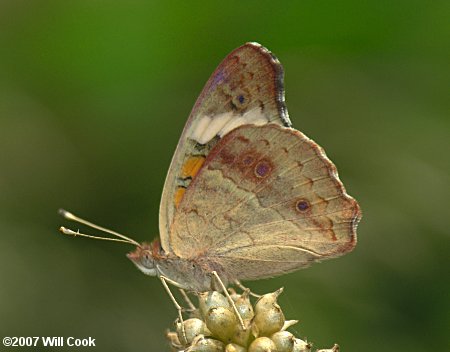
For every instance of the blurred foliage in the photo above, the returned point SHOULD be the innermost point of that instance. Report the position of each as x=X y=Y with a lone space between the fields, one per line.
x=94 y=95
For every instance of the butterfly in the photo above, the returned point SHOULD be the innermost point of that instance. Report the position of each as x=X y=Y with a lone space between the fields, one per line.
x=247 y=196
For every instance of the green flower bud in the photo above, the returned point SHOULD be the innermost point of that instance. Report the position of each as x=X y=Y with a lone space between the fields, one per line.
x=268 y=321
x=232 y=347
x=241 y=336
x=222 y=322
x=202 y=344
x=244 y=306
x=284 y=341
x=301 y=346
x=262 y=344
x=211 y=299
x=193 y=327
x=268 y=300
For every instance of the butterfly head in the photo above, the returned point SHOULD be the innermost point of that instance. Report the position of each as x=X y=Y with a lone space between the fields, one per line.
x=144 y=258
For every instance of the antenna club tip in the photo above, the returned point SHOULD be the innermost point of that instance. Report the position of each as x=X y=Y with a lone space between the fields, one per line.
x=65 y=231
x=65 y=214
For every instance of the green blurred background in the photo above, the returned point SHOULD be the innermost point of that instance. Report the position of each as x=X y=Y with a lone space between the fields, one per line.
x=93 y=98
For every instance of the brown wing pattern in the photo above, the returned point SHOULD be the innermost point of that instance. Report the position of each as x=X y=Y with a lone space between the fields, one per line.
x=247 y=87
x=267 y=201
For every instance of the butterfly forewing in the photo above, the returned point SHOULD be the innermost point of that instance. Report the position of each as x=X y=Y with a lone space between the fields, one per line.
x=266 y=201
x=246 y=88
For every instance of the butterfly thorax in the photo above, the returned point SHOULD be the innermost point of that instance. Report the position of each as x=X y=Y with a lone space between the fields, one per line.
x=187 y=273
x=191 y=274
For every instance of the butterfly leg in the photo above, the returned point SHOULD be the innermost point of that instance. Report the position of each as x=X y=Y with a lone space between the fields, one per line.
x=224 y=289
x=243 y=288
x=187 y=300
x=164 y=281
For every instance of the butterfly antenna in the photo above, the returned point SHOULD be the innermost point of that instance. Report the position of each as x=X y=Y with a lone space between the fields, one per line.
x=72 y=217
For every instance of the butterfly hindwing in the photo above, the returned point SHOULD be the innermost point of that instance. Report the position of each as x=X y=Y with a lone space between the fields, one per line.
x=265 y=195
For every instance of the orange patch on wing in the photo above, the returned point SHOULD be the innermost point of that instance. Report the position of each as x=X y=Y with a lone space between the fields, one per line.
x=192 y=166
x=179 y=193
